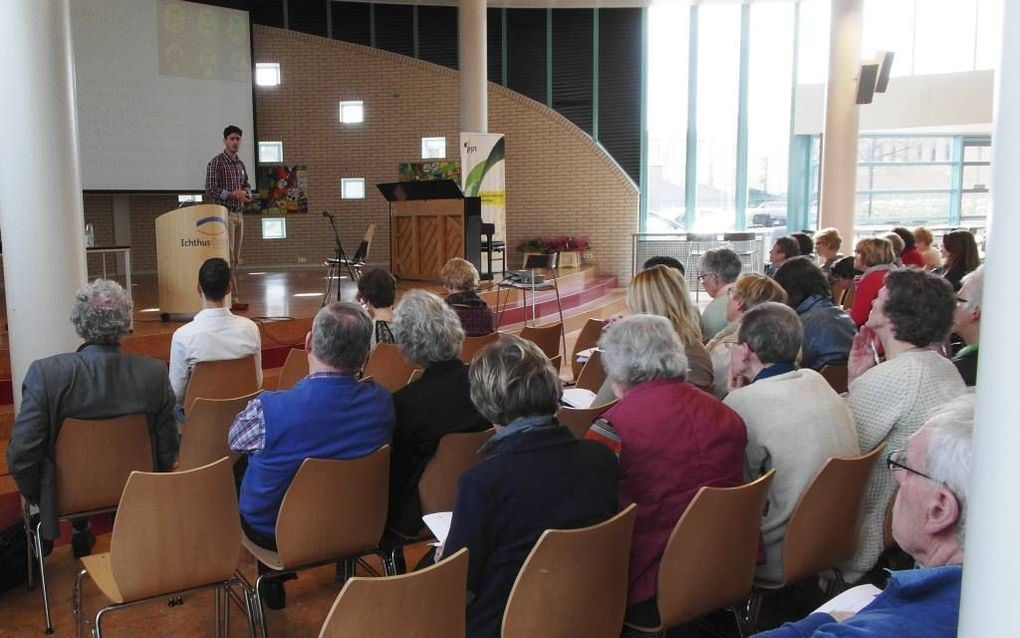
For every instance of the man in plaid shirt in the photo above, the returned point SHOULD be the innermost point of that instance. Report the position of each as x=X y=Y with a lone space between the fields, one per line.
x=226 y=184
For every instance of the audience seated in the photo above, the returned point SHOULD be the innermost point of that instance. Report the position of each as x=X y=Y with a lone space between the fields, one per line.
x=959 y=256
x=327 y=415
x=661 y=291
x=828 y=331
x=376 y=291
x=805 y=243
x=795 y=421
x=664 y=260
x=890 y=400
x=750 y=289
x=910 y=255
x=430 y=336
x=897 y=247
x=827 y=243
x=967 y=324
x=875 y=257
x=537 y=476
x=460 y=278
x=98 y=381
x=215 y=334
x=783 y=248
x=718 y=270
x=671 y=439
x=845 y=275
x=929 y=523
x=931 y=255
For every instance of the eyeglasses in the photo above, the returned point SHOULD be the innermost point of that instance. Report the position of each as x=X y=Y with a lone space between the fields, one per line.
x=895 y=461
x=702 y=275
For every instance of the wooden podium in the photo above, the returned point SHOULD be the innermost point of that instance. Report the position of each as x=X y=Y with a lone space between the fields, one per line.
x=430 y=223
x=185 y=238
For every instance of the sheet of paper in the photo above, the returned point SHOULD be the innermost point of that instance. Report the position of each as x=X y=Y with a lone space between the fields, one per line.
x=578 y=397
x=584 y=355
x=853 y=599
x=439 y=524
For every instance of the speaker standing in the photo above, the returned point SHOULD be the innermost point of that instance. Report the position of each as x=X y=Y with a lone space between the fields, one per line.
x=226 y=184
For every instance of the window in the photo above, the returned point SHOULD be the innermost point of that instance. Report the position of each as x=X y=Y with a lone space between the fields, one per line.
x=274 y=228
x=889 y=26
x=813 y=50
x=189 y=199
x=352 y=188
x=352 y=112
x=433 y=147
x=270 y=152
x=267 y=74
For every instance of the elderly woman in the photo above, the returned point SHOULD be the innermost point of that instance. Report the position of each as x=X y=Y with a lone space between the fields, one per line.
x=930 y=254
x=892 y=399
x=875 y=257
x=827 y=243
x=376 y=291
x=429 y=335
x=537 y=477
x=661 y=428
x=959 y=256
x=460 y=278
x=828 y=331
x=750 y=290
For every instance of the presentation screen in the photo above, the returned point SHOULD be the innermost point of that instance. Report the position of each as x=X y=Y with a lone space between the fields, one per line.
x=157 y=81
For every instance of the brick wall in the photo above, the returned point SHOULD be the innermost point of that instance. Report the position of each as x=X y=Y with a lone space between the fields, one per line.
x=559 y=181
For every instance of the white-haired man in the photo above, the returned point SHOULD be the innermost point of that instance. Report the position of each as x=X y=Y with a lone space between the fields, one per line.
x=967 y=324
x=929 y=523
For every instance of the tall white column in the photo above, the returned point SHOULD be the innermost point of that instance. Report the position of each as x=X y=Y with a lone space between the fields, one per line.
x=472 y=37
x=839 y=143
x=992 y=554
x=41 y=214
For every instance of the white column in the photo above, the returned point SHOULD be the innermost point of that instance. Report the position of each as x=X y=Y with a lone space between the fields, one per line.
x=472 y=37
x=992 y=554
x=41 y=216
x=839 y=143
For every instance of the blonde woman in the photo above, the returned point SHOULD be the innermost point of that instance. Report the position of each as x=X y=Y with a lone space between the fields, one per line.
x=750 y=290
x=827 y=243
x=460 y=278
x=874 y=256
x=931 y=255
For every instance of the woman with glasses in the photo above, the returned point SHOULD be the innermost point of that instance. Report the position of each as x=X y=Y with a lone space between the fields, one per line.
x=892 y=395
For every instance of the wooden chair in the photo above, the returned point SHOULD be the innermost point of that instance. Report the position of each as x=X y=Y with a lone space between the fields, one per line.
x=888 y=540
x=547 y=338
x=573 y=583
x=588 y=338
x=474 y=344
x=710 y=559
x=837 y=377
x=822 y=531
x=593 y=374
x=388 y=367
x=430 y=601
x=333 y=510
x=204 y=438
x=222 y=380
x=294 y=369
x=578 y=420
x=93 y=461
x=174 y=532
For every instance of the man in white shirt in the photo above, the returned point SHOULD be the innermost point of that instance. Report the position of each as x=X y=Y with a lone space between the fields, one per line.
x=215 y=334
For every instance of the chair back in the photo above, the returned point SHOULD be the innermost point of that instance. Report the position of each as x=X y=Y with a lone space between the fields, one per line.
x=579 y=420
x=333 y=508
x=593 y=374
x=474 y=344
x=888 y=540
x=425 y=604
x=204 y=438
x=222 y=380
x=95 y=458
x=710 y=559
x=547 y=338
x=822 y=531
x=294 y=369
x=573 y=583
x=457 y=453
x=836 y=375
x=587 y=338
x=388 y=367
x=176 y=530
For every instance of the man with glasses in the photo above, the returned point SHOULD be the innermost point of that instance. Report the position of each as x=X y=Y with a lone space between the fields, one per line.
x=929 y=523
x=967 y=324
x=717 y=271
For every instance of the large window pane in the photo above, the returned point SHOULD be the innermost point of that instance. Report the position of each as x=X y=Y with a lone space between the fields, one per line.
x=718 y=80
x=667 y=115
x=889 y=26
x=884 y=209
x=813 y=52
x=945 y=36
x=989 y=34
x=885 y=178
x=768 y=108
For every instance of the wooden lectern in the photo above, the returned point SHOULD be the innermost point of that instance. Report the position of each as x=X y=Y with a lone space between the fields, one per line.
x=185 y=238
x=430 y=223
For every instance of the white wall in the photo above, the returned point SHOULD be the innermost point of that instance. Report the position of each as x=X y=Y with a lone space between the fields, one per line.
x=960 y=101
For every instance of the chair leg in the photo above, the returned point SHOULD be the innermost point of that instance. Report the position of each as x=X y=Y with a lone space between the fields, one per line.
x=218 y=611
x=97 y=630
x=42 y=577
x=26 y=518
x=76 y=602
x=250 y=611
x=258 y=604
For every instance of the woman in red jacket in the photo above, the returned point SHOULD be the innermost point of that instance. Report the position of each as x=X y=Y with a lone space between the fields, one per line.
x=875 y=256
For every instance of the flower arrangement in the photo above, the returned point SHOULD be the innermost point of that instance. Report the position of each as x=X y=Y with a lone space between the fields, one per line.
x=561 y=244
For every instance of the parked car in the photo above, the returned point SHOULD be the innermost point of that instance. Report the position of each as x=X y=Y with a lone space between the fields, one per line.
x=768 y=214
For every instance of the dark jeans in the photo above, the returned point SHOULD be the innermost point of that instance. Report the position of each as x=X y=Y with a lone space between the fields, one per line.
x=260 y=539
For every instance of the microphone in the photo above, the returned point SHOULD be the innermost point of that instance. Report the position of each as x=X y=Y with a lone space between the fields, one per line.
x=326 y=213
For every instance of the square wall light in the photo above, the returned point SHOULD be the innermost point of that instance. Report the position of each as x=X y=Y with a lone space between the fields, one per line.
x=433 y=147
x=274 y=228
x=267 y=74
x=352 y=112
x=270 y=152
x=352 y=188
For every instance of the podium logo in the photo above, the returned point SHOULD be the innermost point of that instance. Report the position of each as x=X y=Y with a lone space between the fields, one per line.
x=211 y=226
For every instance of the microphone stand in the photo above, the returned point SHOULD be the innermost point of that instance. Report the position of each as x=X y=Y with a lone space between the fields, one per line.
x=339 y=260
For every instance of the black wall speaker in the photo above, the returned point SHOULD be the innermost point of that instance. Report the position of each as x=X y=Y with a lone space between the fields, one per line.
x=885 y=58
x=866 y=82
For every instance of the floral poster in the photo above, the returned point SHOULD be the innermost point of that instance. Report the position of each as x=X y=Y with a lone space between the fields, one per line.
x=282 y=190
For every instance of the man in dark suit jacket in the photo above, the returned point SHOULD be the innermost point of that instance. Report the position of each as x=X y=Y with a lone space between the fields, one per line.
x=96 y=382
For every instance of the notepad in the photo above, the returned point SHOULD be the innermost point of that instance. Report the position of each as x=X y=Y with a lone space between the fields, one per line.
x=439 y=524
x=853 y=599
x=578 y=398
x=584 y=355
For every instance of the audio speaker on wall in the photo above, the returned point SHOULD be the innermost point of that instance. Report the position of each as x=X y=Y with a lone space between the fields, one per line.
x=885 y=59
x=866 y=82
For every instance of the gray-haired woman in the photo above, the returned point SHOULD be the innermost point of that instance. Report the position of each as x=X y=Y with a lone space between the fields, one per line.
x=429 y=334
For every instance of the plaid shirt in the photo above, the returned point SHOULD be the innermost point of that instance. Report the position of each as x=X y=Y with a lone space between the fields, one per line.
x=223 y=176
